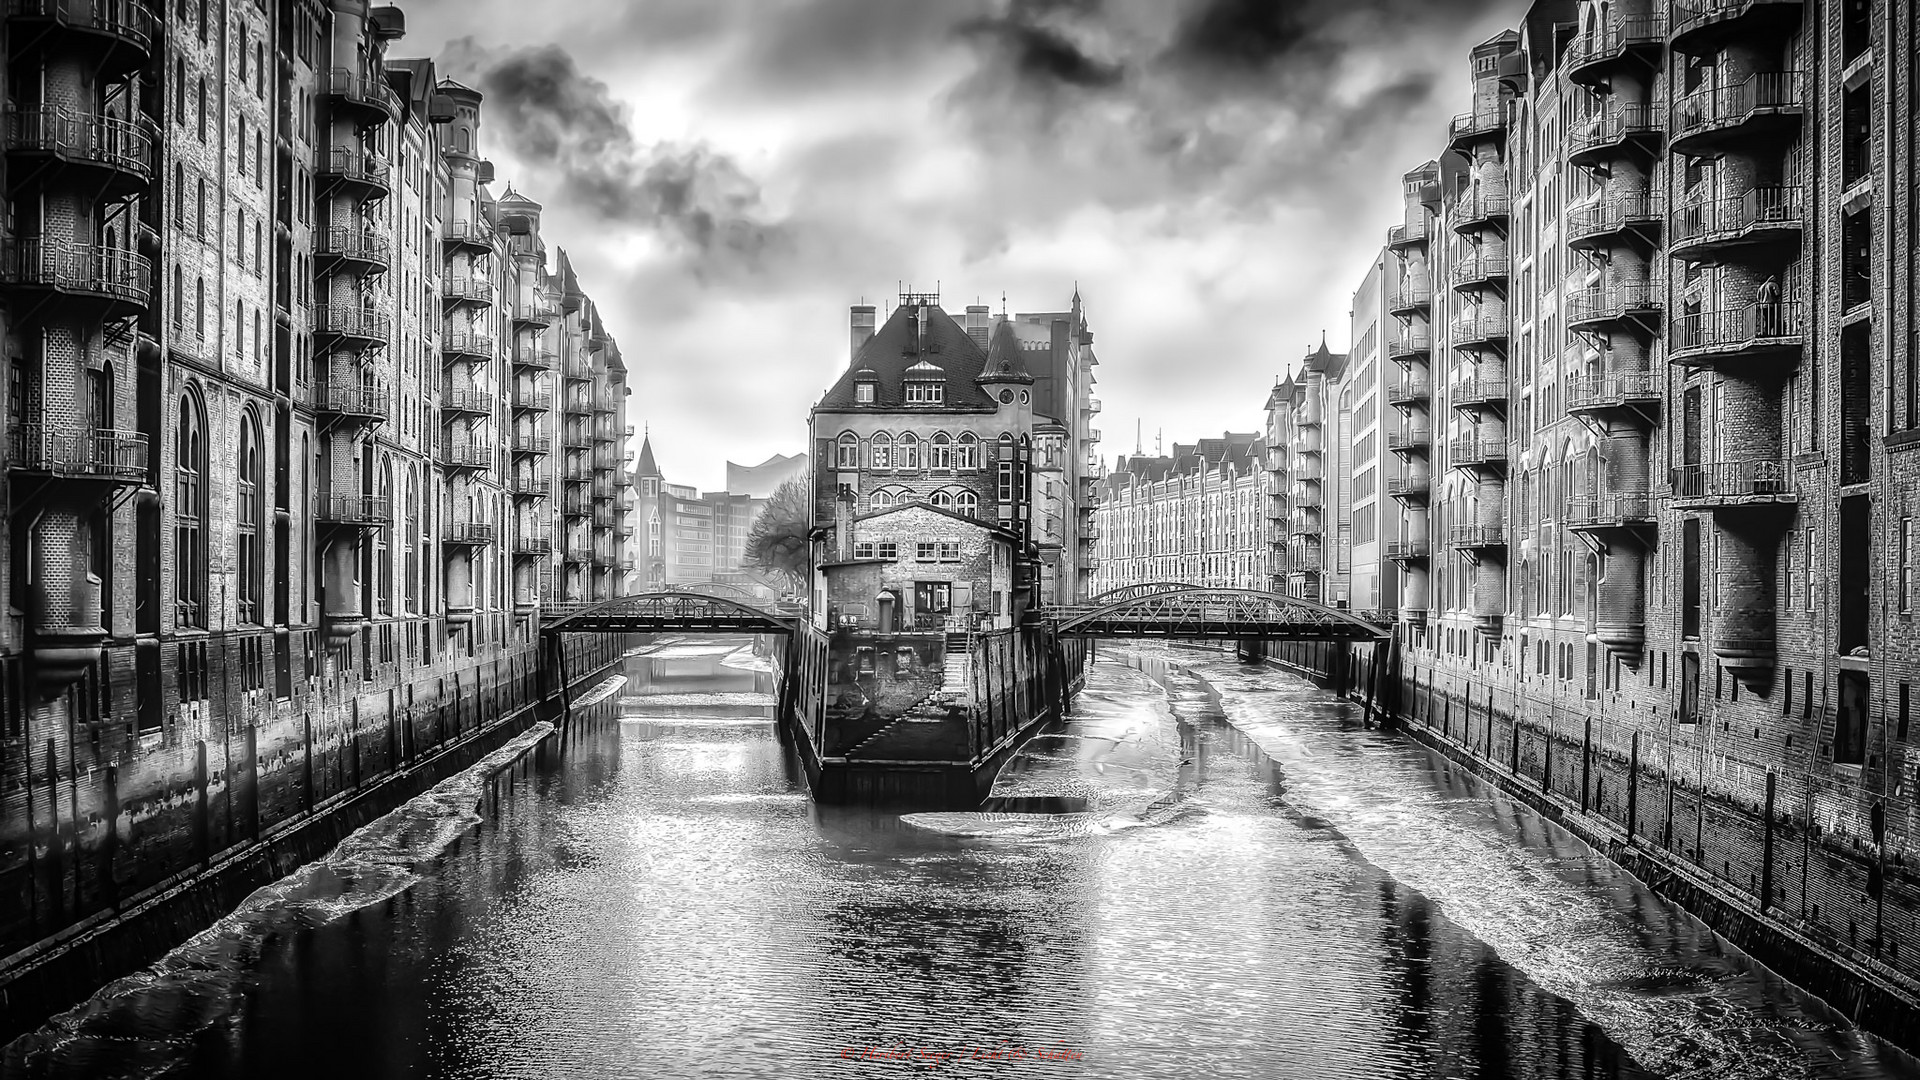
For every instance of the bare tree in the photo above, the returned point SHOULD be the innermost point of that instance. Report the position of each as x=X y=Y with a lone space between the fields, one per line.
x=777 y=542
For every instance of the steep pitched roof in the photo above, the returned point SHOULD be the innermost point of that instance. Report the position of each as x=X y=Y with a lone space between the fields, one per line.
x=1006 y=359
x=992 y=528
x=945 y=343
x=646 y=466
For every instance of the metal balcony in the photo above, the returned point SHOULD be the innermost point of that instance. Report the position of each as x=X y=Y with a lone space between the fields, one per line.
x=576 y=504
x=1703 y=26
x=87 y=281
x=1411 y=343
x=465 y=400
x=354 y=511
x=1766 y=106
x=1605 y=309
x=1306 y=525
x=1618 y=510
x=468 y=533
x=1093 y=406
x=366 y=97
x=531 y=444
x=350 y=326
x=1407 y=236
x=104 y=156
x=1613 y=392
x=466 y=290
x=576 y=405
x=532 y=487
x=1471 y=129
x=532 y=400
x=1476 y=453
x=1611 y=220
x=1479 y=209
x=577 y=368
x=473 y=235
x=363 y=176
x=1406 y=551
x=78 y=453
x=1476 y=395
x=1480 y=272
x=466 y=347
x=1408 y=392
x=1592 y=57
x=1476 y=537
x=1616 y=131
x=1408 y=490
x=364 y=404
x=1731 y=485
x=1472 y=333
x=466 y=454
x=1410 y=298
x=112 y=37
x=535 y=360
x=539 y=313
x=1739 y=339
x=1410 y=441
x=531 y=547
x=1762 y=218
x=360 y=251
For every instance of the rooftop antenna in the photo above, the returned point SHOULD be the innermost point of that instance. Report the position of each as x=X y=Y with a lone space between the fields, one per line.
x=1136 y=436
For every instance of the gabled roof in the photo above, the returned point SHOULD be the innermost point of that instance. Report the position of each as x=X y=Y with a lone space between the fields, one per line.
x=646 y=466
x=885 y=356
x=986 y=526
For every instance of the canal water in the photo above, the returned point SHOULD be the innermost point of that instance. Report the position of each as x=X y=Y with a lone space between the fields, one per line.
x=1226 y=877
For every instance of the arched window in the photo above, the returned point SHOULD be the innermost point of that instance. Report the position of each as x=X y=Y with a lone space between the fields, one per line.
x=248 y=512
x=881 y=450
x=881 y=500
x=200 y=218
x=847 y=452
x=968 y=453
x=940 y=452
x=200 y=310
x=943 y=499
x=906 y=452
x=179 y=300
x=383 y=542
x=190 y=513
x=967 y=503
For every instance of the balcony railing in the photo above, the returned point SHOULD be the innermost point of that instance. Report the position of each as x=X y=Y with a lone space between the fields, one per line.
x=1757 y=329
x=532 y=400
x=1409 y=391
x=1478 y=206
x=467 y=233
x=537 y=313
x=1618 y=508
x=1472 y=331
x=477 y=290
x=81 y=270
x=1475 y=451
x=1743 y=218
x=532 y=486
x=364 y=324
x=1741 y=108
x=1477 y=536
x=1410 y=296
x=539 y=360
x=1406 y=550
x=1610 y=216
x=468 y=532
x=532 y=444
x=355 y=510
x=577 y=368
x=1613 y=126
x=465 y=399
x=369 y=92
x=1414 y=341
x=466 y=454
x=1480 y=269
x=532 y=546
x=1471 y=127
x=478 y=345
x=1406 y=487
x=1731 y=482
x=1409 y=234
x=1611 y=304
x=123 y=146
x=1617 y=389
x=365 y=401
x=355 y=245
x=1477 y=393
x=1409 y=439
x=130 y=21
x=1613 y=40
x=1700 y=18
x=354 y=167
x=78 y=453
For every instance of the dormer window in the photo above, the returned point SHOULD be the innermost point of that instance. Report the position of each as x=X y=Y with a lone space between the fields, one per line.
x=866 y=387
x=863 y=393
x=926 y=393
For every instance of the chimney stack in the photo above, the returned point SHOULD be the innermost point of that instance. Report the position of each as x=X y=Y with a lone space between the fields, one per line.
x=862 y=327
x=977 y=327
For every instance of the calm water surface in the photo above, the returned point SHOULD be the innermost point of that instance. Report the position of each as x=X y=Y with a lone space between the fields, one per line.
x=1181 y=883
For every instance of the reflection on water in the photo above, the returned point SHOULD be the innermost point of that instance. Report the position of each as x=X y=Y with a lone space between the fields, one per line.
x=1149 y=889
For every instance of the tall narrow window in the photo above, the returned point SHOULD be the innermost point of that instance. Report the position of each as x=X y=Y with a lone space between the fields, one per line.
x=247 y=516
x=383 y=543
x=1690 y=578
x=200 y=219
x=189 y=514
x=179 y=300
x=200 y=97
x=200 y=309
x=408 y=553
x=967 y=455
x=881 y=450
x=940 y=452
x=179 y=196
x=847 y=453
x=1906 y=564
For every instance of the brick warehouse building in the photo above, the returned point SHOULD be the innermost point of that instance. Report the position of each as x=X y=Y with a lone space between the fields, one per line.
x=1659 y=384
x=1194 y=516
x=301 y=429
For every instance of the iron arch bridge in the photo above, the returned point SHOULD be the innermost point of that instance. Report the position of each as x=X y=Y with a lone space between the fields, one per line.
x=675 y=610
x=1189 y=611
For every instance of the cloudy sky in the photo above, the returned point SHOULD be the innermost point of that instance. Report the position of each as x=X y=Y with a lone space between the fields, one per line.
x=730 y=175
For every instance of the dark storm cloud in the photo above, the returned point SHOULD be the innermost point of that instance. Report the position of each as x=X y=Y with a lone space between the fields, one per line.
x=559 y=120
x=1030 y=37
x=1255 y=35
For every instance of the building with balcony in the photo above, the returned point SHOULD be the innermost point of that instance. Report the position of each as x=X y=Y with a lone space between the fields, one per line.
x=263 y=427
x=1654 y=430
